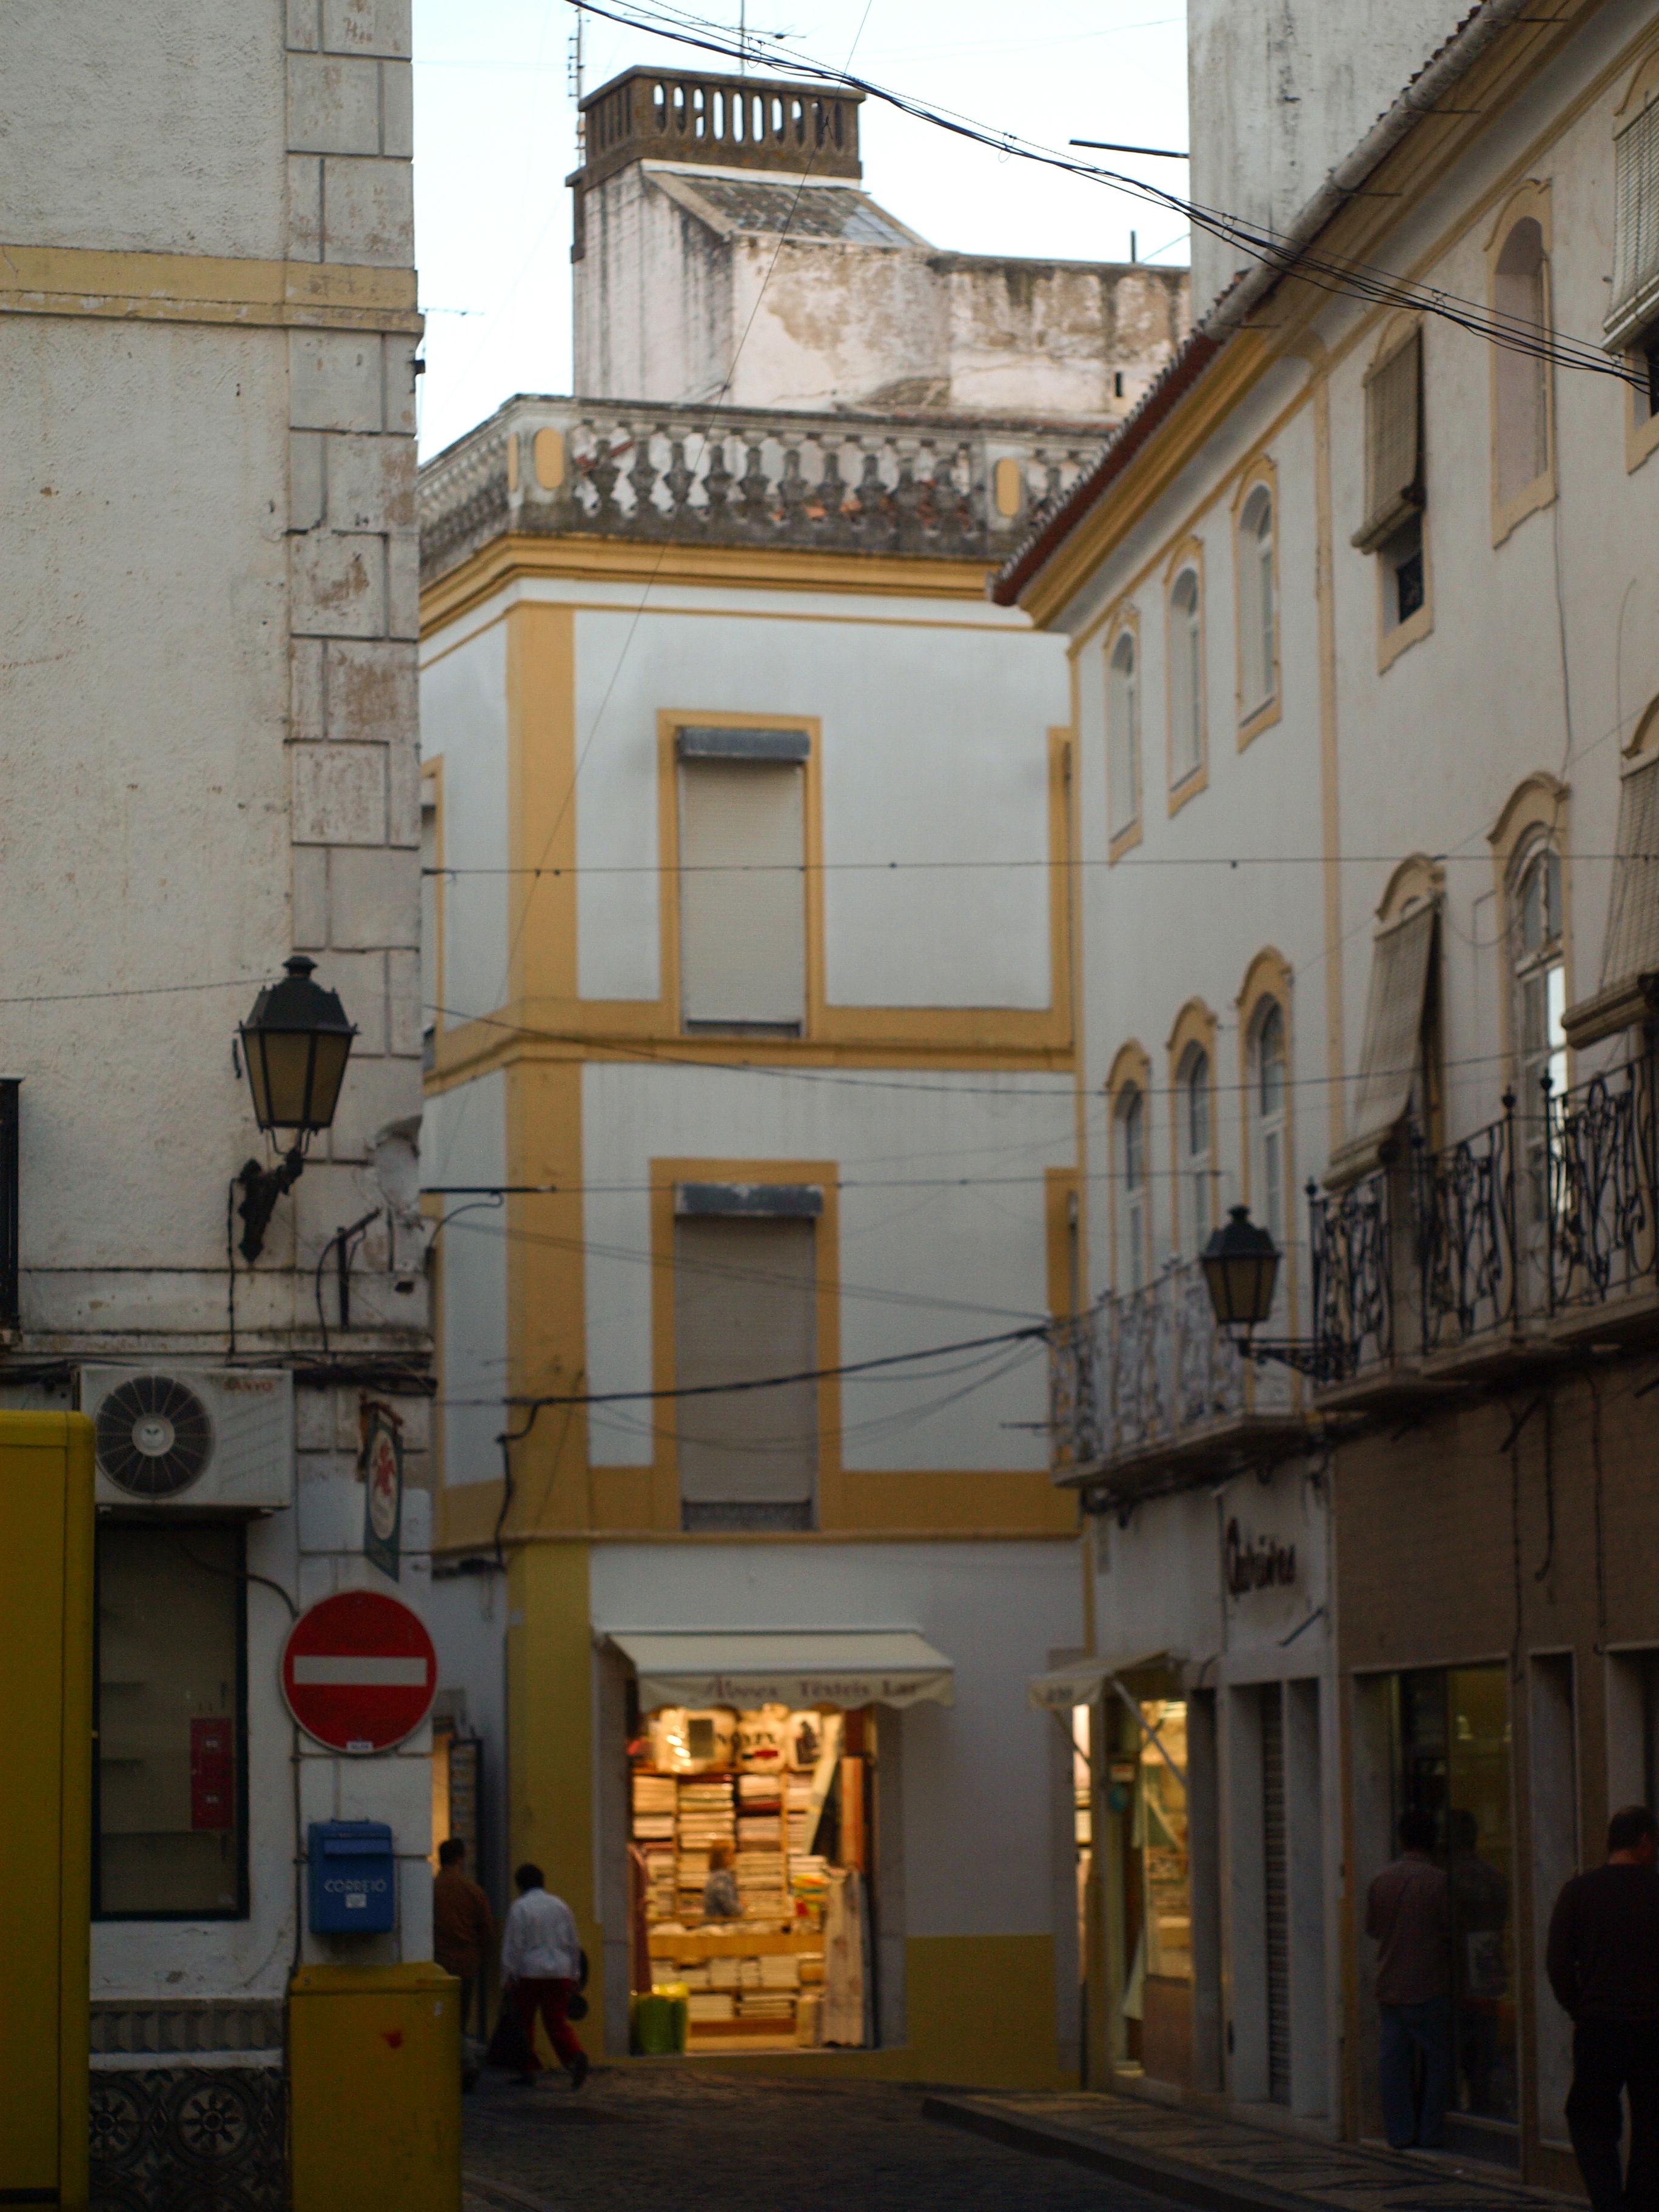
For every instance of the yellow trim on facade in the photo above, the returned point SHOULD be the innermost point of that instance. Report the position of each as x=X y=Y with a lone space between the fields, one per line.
x=199 y=287
x=511 y=556
x=1529 y=200
x=1062 y=1220
x=1330 y=802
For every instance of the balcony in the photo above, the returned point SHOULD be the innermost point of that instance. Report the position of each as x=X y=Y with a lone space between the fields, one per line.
x=740 y=477
x=1145 y=1393
x=1521 y=1239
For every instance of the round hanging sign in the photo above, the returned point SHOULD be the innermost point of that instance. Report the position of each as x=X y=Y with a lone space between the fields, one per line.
x=360 y=1671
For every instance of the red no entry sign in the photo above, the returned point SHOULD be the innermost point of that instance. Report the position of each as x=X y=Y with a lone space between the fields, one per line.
x=359 y=1671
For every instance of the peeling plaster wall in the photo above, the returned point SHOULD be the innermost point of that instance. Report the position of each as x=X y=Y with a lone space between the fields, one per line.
x=1279 y=91
x=671 y=307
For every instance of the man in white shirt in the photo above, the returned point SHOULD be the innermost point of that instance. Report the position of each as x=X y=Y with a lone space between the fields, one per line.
x=542 y=1962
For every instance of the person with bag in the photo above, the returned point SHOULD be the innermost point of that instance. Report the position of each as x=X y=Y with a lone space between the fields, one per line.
x=463 y=1934
x=543 y=1962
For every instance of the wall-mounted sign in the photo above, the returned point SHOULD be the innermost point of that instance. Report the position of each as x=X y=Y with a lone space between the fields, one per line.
x=1255 y=1562
x=382 y=1462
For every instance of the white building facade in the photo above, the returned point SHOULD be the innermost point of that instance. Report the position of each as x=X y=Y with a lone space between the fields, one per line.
x=1363 y=647
x=208 y=325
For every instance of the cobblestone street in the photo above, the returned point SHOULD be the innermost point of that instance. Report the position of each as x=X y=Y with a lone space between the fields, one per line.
x=683 y=2140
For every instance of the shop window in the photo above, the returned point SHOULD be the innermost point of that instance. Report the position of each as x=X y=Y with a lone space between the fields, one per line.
x=1186 y=678
x=1122 y=735
x=1521 y=378
x=1540 y=1003
x=1452 y=1758
x=1197 y=1168
x=753 y=1846
x=742 y=886
x=1158 y=1933
x=170 y=1823
x=1269 y=1135
x=1130 y=1119
x=745 y=1307
x=1258 y=614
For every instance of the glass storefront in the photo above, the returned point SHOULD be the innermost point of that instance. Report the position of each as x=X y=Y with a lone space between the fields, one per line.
x=752 y=1846
x=1452 y=1760
x=1147 y=1793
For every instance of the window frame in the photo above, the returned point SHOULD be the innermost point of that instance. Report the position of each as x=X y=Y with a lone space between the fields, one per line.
x=174 y=1526
x=1269 y=977
x=1261 y=480
x=1195 y=1030
x=431 y=1018
x=669 y=723
x=1121 y=836
x=1390 y=553
x=1530 y=204
x=1538 y=807
x=1641 y=342
x=1186 y=775
x=1131 y=1073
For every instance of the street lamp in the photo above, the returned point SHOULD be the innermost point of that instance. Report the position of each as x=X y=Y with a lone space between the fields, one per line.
x=1241 y=1271
x=1241 y=1266
x=295 y=1044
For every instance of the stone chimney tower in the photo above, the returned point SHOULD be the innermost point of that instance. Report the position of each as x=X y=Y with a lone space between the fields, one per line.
x=725 y=249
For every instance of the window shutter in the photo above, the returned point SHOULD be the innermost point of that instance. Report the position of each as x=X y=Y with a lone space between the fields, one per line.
x=743 y=904
x=746 y=1306
x=1389 y=1057
x=1635 y=228
x=1394 y=443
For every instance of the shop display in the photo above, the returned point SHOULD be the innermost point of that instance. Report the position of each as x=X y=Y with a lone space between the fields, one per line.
x=784 y=1800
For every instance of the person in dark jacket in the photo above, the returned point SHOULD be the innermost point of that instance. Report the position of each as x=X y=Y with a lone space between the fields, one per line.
x=1603 y=1965
x=1408 y=1917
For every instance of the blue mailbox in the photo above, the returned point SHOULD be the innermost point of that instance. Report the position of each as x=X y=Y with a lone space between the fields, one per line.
x=354 y=1878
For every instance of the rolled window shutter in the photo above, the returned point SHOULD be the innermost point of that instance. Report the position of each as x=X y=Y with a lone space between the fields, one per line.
x=1631 y=948
x=1636 y=228
x=1389 y=1057
x=746 y=1306
x=743 y=902
x=1394 y=443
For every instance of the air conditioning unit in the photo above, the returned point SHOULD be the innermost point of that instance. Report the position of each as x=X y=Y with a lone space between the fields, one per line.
x=192 y=1438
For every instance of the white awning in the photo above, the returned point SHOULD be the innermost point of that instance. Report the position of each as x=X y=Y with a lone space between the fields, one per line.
x=1402 y=958
x=844 y=1667
x=1083 y=1682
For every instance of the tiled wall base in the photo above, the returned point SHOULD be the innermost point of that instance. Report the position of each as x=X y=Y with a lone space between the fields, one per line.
x=188 y=2139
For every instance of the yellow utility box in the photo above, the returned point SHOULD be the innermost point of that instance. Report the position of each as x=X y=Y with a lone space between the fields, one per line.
x=374 y=2088
x=45 y=1841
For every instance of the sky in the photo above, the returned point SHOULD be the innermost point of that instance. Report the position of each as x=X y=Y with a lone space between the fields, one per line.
x=495 y=139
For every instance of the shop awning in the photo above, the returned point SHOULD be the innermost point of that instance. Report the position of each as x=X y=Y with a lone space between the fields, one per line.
x=1083 y=1681
x=844 y=1667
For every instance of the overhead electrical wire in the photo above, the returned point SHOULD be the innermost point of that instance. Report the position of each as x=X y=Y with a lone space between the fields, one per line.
x=1356 y=280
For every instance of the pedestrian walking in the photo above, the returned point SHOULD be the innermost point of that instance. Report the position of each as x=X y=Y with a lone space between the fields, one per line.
x=1603 y=1965
x=463 y=1932
x=542 y=1959
x=1408 y=1916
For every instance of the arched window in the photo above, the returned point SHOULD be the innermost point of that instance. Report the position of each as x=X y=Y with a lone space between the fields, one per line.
x=1268 y=1134
x=1122 y=734
x=1130 y=1120
x=1521 y=379
x=1194 y=1144
x=1185 y=677
x=1257 y=614
x=1539 y=1002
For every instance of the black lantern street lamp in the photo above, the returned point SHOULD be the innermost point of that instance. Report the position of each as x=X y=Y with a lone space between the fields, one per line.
x=295 y=1044
x=1241 y=1267
x=1241 y=1273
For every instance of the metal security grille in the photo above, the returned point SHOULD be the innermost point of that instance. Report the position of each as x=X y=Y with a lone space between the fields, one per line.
x=1276 y=1894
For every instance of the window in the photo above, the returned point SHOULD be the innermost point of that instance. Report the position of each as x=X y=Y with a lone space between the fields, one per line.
x=1186 y=678
x=1393 y=528
x=1131 y=1122
x=1193 y=1137
x=1539 y=1002
x=1635 y=302
x=1269 y=1133
x=1258 y=642
x=1520 y=380
x=745 y=1305
x=1122 y=735
x=431 y=914
x=170 y=1823
x=741 y=890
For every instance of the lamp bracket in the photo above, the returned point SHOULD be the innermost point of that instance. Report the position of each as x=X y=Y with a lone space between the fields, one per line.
x=1322 y=1358
x=261 y=1188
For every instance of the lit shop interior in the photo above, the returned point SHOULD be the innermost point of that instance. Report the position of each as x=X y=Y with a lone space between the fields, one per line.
x=750 y=1852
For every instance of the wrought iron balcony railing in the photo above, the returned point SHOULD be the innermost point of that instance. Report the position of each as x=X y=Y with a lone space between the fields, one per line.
x=1603 y=1180
x=1145 y=1369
